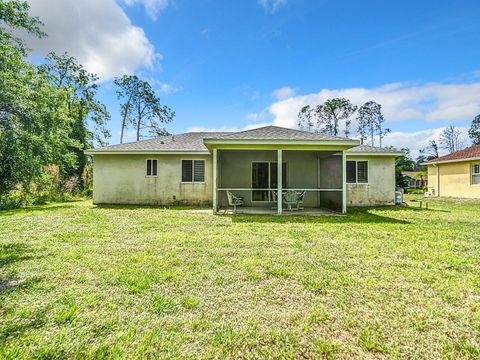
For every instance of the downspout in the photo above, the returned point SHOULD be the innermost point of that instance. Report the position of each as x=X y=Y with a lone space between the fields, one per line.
x=438 y=179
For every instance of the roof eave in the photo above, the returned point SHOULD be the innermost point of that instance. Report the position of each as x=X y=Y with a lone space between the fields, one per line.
x=280 y=142
x=451 y=161
x=375 y=153
x=146 y=152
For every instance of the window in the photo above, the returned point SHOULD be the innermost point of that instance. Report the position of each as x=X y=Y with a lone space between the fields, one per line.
x=152 y=167
x=476 y=174
x=357 y=172
x=193 y=170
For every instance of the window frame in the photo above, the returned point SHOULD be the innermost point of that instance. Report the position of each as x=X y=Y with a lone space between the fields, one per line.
x=356 y=172
x=146 y=168
x=472 y=173
x=193 y=171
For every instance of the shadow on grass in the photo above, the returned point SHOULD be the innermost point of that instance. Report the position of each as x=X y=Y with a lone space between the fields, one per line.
x=42 y=208
x=10 y=254
x=354 y=215
x=152 y=207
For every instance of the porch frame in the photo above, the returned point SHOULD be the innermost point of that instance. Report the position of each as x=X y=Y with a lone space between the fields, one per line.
x=279 y=188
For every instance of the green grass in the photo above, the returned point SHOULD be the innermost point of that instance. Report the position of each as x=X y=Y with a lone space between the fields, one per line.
x=82 y=281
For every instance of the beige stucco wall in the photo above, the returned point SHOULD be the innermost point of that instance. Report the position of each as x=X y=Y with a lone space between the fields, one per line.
x=380 y=189
x=121 y=179
x=455 y=180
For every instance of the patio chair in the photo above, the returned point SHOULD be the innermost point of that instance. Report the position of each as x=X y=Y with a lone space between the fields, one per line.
x=290 y=198
x=234 y=201
x=300 y=199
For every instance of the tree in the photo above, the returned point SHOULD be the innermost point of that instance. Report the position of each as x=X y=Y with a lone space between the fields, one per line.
x=305 y=118
x=431 y=151
x=451 y=139
x=34 y=126
x=474 y=131
x=333 y=112
x=403 y=163
x=84 y=110
x=14 y=14
x=370 y=122
x=142 y=108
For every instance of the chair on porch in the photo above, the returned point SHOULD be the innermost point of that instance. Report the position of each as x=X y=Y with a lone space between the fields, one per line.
x=300 y=199
x=234 y=201
x=290 y=198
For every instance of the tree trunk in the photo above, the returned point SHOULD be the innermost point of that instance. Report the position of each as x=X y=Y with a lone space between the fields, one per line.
x=124 y=119
x=139 y=122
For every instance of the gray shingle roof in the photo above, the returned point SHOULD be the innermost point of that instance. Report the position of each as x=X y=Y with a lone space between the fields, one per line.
x=193 y=141
x=371 y=149
x=276 y=133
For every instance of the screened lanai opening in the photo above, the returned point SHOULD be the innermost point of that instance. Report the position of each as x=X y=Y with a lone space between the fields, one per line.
x=311 y=180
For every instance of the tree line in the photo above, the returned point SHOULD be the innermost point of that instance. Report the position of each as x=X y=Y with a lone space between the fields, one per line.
x=50 y=114
x=334 y=117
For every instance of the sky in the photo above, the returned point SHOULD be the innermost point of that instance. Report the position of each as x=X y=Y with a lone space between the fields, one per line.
x=239 y=64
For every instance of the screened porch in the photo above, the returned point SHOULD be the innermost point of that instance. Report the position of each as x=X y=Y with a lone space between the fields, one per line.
x=312 y=182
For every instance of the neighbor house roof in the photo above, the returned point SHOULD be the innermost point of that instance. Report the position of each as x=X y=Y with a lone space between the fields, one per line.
x=413 y=174
x=194 y=142
x=470 y=153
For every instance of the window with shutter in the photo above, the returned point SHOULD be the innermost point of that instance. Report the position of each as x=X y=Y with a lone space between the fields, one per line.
x=199 y=171
x=362 y=172
x=151 y=167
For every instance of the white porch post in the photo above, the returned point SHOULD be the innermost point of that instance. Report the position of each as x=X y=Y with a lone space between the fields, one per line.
x=279 y=181
x=214 y=198
x=344 y=182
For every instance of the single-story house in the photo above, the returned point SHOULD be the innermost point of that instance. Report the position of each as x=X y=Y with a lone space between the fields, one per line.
x=416 y=179
x=208 y=167
x=456 y=174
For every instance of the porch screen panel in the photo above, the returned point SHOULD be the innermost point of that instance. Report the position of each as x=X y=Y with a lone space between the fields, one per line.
x=199 y=171
x=187 y=170
x=274 y=175
x=260 y=181
x=362 y=172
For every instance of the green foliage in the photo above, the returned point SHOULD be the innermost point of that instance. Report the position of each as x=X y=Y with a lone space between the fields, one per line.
x=370 y=123
x=142 y=108
x=45 y=116
x=474 y=131
x=327 y=117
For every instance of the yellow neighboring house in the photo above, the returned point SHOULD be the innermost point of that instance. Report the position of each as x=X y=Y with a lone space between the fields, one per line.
x=456 y=174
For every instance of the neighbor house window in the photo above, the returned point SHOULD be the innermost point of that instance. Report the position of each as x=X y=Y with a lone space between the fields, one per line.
x=193 y=170
x=357 y=172
x=152 y=167
x=476 y=174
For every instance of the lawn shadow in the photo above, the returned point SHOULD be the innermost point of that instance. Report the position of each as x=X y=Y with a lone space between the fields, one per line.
x=10 y=254
x=43 y=208
x=152 y=207
x=363 y=215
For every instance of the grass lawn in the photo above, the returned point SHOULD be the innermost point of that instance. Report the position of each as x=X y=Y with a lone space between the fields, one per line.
x=82 y=281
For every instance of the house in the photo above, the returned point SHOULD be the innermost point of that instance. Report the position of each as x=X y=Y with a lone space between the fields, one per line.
x=416 y=179
x=456 y=174
x=202 y=167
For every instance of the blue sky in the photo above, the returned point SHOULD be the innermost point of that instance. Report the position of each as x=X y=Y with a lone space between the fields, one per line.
x=238 y=64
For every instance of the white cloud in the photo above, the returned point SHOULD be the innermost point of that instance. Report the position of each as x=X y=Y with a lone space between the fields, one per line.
x=284 y=92
x=152 y=7
x=169 y=89
x=98 y=33
x=400 y=102
x=272 y=6
x=419 y=139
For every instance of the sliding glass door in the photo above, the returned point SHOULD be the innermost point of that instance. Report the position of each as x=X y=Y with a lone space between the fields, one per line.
x=264 y=176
